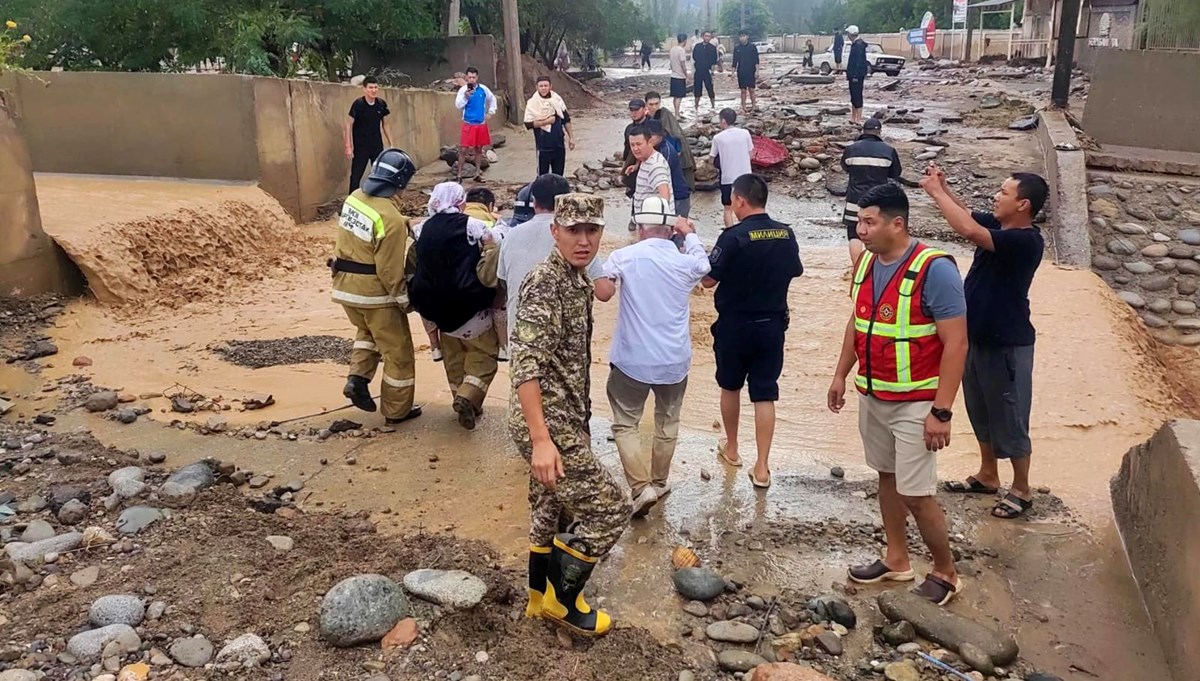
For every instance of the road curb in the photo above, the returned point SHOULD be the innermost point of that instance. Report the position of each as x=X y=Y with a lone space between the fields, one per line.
x=1066 y=172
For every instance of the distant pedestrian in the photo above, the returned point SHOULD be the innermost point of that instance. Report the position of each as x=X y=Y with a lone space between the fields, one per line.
x=478 y=105
x=652 y=172
x=731 y=150
x=908 y=337
x=652 y=345
x=808 y=53
x=679 y=71
x=551 y=380
x=704 y=58
x=868 y=163
x=838 y=44
x=745 y=63
x=680 y=190
x=547 y=116
x=674 y=135
x=647 y=50
x=857 y=69
x=998 y=381
x=365 y=131
x=753 y=264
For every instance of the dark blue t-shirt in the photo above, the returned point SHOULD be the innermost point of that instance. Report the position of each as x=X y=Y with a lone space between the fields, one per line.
x=755 y=262
x=679 y=185
x=997 y=286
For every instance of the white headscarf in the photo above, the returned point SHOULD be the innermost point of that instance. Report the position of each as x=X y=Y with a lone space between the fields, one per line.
x=447 y=197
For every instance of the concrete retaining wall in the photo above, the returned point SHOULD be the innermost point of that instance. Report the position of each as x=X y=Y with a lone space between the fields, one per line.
x=30 y=263
x=286 y=135
x=1156 y=499
x=1066 y=173
x=1143 y=98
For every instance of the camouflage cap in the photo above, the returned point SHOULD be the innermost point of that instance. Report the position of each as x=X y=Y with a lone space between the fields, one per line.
x=579 y=209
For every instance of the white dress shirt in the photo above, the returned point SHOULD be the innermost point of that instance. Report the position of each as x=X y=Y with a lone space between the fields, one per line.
x=653 y=342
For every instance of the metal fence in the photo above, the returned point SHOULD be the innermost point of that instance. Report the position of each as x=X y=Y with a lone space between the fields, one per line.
x=1169 y=25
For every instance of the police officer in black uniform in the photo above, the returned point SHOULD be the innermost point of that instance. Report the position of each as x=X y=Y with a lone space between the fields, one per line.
x=753 y=264
x=869 y=162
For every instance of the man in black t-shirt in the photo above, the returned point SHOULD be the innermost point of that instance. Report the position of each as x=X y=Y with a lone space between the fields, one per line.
x=745 y=63
x=547 y=116
x=365 y=131
x=753 y=263
x=998 y=379
x=705 y=57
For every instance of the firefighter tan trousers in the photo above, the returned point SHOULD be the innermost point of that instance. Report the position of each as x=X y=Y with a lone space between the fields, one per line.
x=471 y=365
x=383 y=332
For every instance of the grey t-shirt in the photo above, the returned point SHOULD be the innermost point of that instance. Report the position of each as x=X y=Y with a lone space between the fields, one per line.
x=523 y=249
x=942 y=295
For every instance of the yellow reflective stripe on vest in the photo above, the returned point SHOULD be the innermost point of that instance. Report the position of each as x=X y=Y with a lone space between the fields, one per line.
x=905 y=329
x=372 y=214
x=891 y=330
x=860 y=273
x=860 y=381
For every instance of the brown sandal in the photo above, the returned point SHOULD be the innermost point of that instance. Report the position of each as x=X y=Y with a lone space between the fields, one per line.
x=937 y=590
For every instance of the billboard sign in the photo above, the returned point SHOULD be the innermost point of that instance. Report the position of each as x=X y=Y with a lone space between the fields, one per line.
x=960 y=12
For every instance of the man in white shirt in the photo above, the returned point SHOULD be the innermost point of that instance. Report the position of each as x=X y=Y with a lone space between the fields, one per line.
x=679 y=71
x=653 y=172
x=528 y=243
x=731 y=148
x=652 y=346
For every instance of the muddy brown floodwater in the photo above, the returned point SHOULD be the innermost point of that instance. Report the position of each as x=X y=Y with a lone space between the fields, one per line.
x=1058 y=580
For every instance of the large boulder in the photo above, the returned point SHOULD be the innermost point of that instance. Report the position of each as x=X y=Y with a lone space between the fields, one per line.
x=448 y=588
x=698 y=584
x=117 y=609
x=248 y=649
x=194 y=652
x=137 y=518
x=361 y=609
x=88 y=645
x=36 y=552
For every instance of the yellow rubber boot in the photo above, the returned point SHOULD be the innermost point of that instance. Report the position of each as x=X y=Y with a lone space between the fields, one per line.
x=539 y=565
x=563 y=602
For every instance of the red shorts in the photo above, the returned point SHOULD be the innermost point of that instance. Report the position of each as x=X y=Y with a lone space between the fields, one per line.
x=475 y=136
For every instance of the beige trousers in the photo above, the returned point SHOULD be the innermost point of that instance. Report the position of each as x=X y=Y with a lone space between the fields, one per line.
x=471 y=365
x=383 y=332
x=627 y=397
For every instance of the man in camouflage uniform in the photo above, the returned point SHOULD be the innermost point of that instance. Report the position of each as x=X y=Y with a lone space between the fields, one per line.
x=368 y=281
x=551 y=364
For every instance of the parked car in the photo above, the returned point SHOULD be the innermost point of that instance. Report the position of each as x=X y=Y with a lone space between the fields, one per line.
x=877 y=60
x=765 y=46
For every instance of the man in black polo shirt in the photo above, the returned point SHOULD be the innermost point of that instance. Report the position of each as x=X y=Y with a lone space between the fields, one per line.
x=365 y=131
x=745 y=62
x=704 y=58
x=754 y=261
x=998 y=380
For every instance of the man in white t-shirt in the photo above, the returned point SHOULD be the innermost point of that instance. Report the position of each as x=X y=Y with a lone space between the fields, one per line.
x=652 y=346
x=679 y=71
x=653 y=172
x=731 y=148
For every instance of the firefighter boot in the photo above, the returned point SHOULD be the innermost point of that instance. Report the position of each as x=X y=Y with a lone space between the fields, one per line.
x=358 y=391
x=563 y=603
x=539 y=565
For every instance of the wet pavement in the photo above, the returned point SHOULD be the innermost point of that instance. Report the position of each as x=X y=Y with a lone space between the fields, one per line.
x=1060 y=581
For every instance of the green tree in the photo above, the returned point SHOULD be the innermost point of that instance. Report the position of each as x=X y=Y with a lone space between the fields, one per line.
x=750 y=15
x=827 y=17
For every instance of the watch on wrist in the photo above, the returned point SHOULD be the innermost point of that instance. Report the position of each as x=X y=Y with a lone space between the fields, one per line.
x=943 y=415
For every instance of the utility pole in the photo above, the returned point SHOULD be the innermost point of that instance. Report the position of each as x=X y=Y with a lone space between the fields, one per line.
x=707 y=14
x=512 y=55
x=1060 y=93
x=453 y=18
x=743 y=26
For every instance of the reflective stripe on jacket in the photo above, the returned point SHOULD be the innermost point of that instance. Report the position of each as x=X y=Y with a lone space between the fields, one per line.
x=898 y=349
x=371 y=231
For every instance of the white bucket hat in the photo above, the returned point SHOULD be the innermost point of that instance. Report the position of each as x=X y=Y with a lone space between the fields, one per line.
x=655 y=211
x=852 y=29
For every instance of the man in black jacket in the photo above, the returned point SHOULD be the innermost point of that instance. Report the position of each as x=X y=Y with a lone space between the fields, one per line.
x=857 y=69
x=838 y=44
x=869 y=162
x=704 y=58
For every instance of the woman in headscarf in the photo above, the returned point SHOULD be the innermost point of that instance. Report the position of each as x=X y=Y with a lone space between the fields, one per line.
x=445 y=289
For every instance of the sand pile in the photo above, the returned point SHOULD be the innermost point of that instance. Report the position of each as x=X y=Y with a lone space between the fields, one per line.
x=572 y=91
x=169 y=243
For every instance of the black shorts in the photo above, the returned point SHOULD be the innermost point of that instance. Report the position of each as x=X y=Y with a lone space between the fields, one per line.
x=750 y=350
x=727 y=195
x=679 y=87
x=998 y=390
x=746 y=81
x=856 y=93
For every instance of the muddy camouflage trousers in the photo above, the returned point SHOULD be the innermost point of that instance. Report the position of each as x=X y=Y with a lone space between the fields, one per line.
x=587 y=493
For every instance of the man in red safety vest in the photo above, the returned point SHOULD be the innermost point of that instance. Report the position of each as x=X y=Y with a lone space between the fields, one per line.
x=908 y=336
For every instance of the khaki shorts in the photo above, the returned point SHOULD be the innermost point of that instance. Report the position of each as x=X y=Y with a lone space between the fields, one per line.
x=893 y=435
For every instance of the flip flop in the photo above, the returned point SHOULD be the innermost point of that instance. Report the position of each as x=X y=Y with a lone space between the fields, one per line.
x=756 y=482
x=1011 y=507
x=971 y=486
x=721 y=453
x=937 y=590
x=879 y=572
